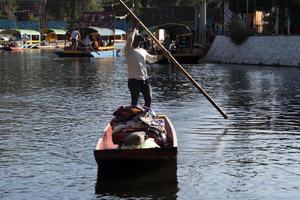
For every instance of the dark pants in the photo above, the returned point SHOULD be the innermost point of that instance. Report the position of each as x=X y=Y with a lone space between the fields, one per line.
x=136 y=86
x=74 y=44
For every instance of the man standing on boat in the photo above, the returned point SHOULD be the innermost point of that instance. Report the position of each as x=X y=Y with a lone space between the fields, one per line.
x=136 y=57
x=75 y=36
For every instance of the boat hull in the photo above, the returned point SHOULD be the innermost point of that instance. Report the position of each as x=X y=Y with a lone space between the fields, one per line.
x=136 y=168
x=126 y=156
x=145 y=178
x=183 y=59
x=95 y=54
x=13 y=48
x=108 y=154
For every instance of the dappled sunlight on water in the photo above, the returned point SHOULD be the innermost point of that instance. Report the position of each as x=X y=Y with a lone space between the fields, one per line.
x=52 y=111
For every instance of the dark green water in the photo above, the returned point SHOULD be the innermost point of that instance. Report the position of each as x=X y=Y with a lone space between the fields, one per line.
x=53 y=110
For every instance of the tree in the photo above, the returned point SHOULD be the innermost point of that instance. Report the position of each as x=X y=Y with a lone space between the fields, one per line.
x=284 y=15
x=186 y=3
x=240 y=6
x=7 y=8
x=263 y=5
x=237 y=33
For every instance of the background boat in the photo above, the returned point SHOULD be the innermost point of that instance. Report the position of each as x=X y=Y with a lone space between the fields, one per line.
x=102 y=45
x=104 y=52
x=120 y=38
x=185 y=51
x=29 y=38
x=53 y=38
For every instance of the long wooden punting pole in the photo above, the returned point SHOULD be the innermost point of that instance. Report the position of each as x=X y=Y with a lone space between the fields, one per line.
x=174 y=61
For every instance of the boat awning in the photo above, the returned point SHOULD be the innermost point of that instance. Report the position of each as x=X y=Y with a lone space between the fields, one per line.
x=119 y=32
x=28 y=32
x=100 y=31
x=21 y=31
x=56 y=31
x=171 y=28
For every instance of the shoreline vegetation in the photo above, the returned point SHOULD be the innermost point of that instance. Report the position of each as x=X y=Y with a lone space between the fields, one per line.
x=279 y=17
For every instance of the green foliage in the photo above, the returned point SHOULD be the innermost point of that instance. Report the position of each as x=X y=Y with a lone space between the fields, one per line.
x=240 y=6
x=268 y=28
x=289 y=8
x=94 y=6
x=184 y=3
x=286 y=3
x=263 y=5
x=237 y=33
x=33 y=17
x=168 y=3
x=7 y=8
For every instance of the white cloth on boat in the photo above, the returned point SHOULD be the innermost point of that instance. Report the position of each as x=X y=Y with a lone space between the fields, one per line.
x=146 y=122
x=149 y=143
x=135 y=138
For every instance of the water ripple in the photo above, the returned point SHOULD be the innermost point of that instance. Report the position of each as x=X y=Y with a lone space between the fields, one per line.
x=52 y=111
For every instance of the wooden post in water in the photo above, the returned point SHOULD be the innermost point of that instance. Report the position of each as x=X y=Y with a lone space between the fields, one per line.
x=174 y=61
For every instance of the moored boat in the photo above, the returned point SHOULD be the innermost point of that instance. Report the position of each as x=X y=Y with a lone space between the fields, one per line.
x=109 y=155
x=103 y=52
x=11 y=48
x=120 y=38
x=101 y=44
x=20 y=39
x=178 y=39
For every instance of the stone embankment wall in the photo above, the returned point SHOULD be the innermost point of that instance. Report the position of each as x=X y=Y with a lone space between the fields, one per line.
x=257 y=50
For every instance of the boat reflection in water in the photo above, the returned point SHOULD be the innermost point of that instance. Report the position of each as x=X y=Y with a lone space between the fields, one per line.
x=138 y=180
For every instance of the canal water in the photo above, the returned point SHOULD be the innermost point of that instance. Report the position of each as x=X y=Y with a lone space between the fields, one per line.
x=53 y=110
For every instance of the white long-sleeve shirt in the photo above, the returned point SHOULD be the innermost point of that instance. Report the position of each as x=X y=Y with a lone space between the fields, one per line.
x=136 y=59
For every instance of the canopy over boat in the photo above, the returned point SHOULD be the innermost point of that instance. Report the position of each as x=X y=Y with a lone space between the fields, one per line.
x=34 y=36
x=55 y=30
x=21 y=32
x=119 y=32
x=100 y=31
x=3 y=39
x=171 y=29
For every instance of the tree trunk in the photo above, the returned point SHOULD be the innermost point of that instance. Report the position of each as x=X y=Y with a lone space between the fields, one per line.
x=277 y=20
x=72 y=14
x=43 y=14
x=288 y=21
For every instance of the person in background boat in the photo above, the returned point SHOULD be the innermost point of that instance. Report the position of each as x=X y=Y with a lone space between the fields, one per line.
x=11 y=43
x=146 y=42
x=87 y=41
x=75 y=36
x=94 y=43
x=67 y=37
x=136 y=57
x=173 y=47
x=110 y=43
x=101 y=43
x=25 y=37
x=167 y=41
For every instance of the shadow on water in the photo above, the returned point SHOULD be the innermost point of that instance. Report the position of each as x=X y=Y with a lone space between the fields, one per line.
x=138 y=180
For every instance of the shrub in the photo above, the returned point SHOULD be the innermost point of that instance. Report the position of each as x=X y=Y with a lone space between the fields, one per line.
x=237 y=33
